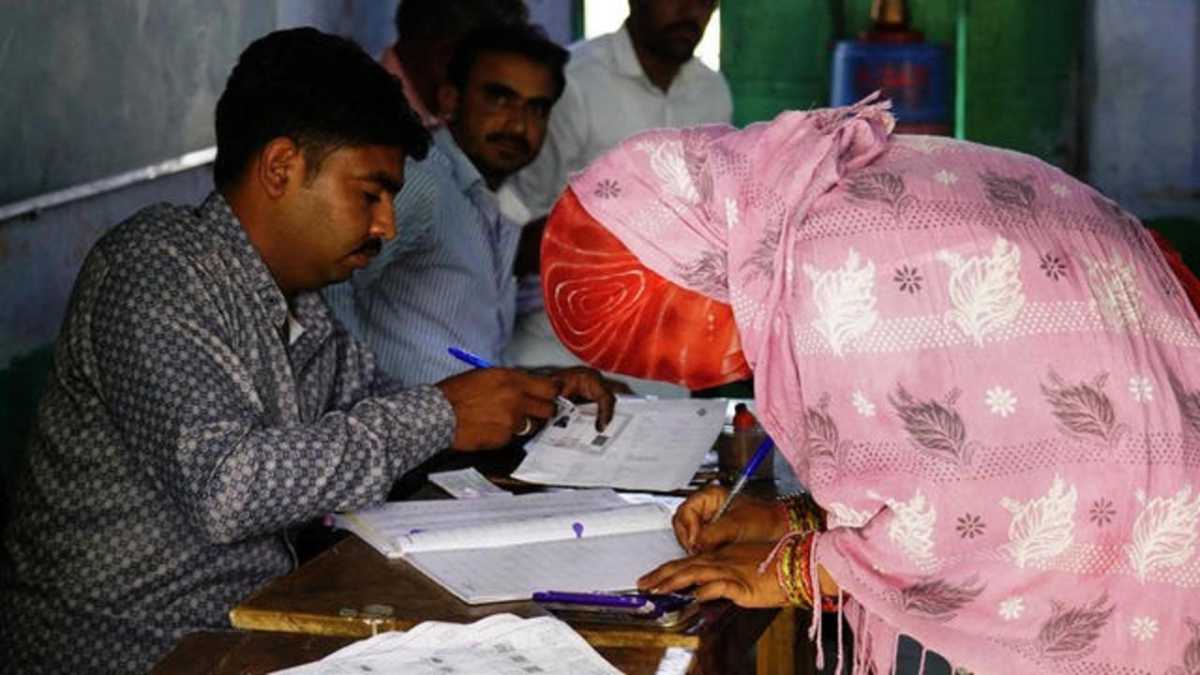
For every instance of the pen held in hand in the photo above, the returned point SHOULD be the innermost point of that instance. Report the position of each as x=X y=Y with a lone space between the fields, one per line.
x=760 y=454
x=564 y=405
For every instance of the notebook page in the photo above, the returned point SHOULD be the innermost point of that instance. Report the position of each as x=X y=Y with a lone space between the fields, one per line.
x=383 y=526
x=598 y=523
x=611 y=563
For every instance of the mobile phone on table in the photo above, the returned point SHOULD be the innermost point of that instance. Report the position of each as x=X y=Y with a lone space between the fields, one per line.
x=666 y=610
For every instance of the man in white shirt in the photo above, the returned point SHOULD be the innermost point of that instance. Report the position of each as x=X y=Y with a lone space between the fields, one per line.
x=644 y=76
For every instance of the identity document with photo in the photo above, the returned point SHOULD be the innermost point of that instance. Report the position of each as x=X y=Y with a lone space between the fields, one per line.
x=649 y=445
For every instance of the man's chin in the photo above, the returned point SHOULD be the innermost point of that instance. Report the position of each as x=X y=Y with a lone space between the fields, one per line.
x=506 y=167
x=678 y=51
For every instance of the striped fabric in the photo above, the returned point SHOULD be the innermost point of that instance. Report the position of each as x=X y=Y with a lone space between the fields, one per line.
x=446 y=279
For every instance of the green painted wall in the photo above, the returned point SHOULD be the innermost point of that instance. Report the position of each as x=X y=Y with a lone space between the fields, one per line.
x=775 y=55
x=1022 y=63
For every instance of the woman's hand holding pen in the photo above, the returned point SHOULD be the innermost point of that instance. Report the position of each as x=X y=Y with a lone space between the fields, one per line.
x=748 y=520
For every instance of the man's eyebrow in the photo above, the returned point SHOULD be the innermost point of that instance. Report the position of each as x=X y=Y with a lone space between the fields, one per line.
x=384 y=180
x=499 y=88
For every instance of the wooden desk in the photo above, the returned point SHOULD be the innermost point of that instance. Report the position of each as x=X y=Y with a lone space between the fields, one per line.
x=353 y=591
x=252 y=653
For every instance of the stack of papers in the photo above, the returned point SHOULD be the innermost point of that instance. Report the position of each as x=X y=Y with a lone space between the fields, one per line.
x=501 y=643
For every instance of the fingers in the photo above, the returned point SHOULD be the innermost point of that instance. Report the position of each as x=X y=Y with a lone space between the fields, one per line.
x=540 y=408
x=587 y=384
x=491 y=405
x=655 y=578
x=536 y=386
x=715 y=535
x=712 y=580
x=691 y=516
x=732 y=572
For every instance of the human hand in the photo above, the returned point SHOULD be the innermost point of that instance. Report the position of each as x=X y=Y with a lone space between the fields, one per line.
x=748 y=520
x=492 y=405
x=588 y=384
x=729 y=572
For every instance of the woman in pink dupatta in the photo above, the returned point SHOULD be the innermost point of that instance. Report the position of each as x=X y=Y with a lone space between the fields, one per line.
x=986 y=373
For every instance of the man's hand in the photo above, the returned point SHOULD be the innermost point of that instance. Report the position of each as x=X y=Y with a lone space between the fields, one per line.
x=587 y=384
x=492 y=405
x=748 y=520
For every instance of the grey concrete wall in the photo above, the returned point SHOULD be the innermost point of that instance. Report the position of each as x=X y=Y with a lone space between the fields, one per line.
x=95 y=89
x=40 y=255
x=1142 y=104
x=92 y=89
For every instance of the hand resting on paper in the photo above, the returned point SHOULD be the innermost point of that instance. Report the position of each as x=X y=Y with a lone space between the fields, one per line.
x=728 y=572
x=749 y=520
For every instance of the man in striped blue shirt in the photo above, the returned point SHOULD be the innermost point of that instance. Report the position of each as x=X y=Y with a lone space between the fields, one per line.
x=447 y=278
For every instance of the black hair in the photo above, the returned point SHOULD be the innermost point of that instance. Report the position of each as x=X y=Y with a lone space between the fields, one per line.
x=436 y=19
x=524 y=39
x=321 y=91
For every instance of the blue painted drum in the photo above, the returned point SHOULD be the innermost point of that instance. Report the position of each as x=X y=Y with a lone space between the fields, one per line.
x=916 y=76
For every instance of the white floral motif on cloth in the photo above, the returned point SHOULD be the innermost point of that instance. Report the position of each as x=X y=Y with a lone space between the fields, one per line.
x=1024 y=379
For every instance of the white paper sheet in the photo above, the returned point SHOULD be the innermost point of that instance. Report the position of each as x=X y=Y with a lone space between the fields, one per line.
x=624 y=519
x=611 y=563
x=494 y=549
x=383 y=526
x=467 y=484
x=649 y=445
x=501 y=644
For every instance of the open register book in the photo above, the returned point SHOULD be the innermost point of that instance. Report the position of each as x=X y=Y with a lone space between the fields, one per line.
x=495 y=549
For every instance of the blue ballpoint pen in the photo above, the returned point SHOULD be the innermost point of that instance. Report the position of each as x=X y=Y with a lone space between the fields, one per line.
x=760 y=454
x=477 y=361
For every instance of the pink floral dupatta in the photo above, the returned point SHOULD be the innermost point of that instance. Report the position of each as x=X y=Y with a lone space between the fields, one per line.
x=983 y=369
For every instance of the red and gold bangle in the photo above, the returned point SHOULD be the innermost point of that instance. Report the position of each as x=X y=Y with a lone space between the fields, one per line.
x=803 y=512
x=803 y=567
x=783 y=575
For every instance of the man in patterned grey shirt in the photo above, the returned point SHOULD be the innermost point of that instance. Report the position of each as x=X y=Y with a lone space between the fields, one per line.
x=203 y=400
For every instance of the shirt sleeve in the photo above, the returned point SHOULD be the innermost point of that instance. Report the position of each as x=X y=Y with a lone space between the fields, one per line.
x=188 y=398
x=539 y=184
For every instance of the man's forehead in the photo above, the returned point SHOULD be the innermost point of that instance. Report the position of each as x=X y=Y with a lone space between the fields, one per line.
x=518 y=72
x=382 y=164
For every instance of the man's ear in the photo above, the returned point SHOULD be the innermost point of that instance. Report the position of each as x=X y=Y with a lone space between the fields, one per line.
x=280 y=164
x=448 y=100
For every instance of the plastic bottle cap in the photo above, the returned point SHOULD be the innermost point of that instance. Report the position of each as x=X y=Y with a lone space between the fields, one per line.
x=743 y=419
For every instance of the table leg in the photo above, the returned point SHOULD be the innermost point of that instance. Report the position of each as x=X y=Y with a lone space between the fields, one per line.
x=776 y=648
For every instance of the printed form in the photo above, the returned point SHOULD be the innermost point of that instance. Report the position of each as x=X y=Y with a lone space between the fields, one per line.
x=649 y=445
x=501 y=644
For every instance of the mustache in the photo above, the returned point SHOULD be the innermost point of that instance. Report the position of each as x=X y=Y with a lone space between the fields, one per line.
x=371 y=247
x=508 y=138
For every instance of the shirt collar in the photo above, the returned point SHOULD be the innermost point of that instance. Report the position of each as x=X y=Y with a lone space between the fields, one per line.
x=216 y=211
x=465 y=173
